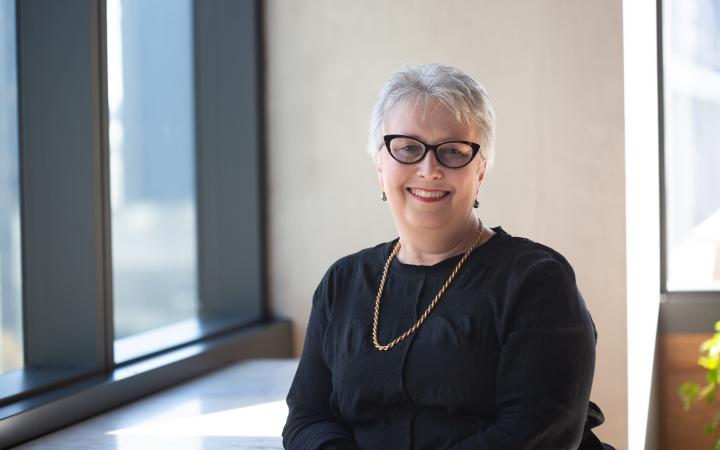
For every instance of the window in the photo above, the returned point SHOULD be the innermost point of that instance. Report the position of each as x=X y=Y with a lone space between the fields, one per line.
x=152 y=168
x=11 y=350
x=133 y=126
x=691 y=42
x=182 y=108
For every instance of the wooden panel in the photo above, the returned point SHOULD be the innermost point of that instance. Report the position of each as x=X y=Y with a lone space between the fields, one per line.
x=680 y=430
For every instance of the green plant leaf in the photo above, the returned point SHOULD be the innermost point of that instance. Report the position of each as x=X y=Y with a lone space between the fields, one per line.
x=688 y=392
x=712 y=376
x=709 y=343
x=708 y=392
x=708 y=362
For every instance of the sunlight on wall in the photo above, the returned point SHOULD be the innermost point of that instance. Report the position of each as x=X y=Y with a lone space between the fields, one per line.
x=642 y=216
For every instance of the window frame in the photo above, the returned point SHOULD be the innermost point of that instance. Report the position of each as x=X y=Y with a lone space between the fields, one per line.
x=680 y=311
x=67 y=282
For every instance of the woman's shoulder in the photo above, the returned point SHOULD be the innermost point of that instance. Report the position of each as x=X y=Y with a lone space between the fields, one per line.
x=364 y=257
x=349 y=270
x=523 y=254
x=354 y=264
x=540 y=285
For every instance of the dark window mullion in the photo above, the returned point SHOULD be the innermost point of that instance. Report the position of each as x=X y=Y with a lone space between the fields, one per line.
x=229 y=190
x=63 y=252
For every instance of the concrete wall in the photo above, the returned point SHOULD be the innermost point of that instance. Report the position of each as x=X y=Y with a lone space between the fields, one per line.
x=554 y=70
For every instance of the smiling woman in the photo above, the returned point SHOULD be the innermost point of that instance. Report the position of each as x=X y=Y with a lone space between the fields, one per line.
x=454 y=335
x=423 y=192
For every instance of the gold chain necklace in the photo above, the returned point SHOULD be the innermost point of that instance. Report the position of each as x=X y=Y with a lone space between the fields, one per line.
x=429 y=309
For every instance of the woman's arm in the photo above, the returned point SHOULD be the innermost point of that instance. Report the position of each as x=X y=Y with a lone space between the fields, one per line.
x=311 y=424
x=546 y=365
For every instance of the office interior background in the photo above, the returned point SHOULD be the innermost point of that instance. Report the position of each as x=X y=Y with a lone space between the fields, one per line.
x=177 y=175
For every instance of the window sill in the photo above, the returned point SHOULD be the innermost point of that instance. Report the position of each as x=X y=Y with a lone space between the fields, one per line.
x=689 y=312
x=34 y=416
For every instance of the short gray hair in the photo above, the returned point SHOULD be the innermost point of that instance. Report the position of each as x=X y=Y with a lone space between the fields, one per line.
x=461 y=93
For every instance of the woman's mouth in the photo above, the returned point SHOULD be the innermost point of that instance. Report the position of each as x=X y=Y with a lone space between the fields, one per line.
x=428 y=195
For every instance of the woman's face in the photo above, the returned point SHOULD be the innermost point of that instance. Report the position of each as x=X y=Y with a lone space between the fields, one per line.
x=428 y=195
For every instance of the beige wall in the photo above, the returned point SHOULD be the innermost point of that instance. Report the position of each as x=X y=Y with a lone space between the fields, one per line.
x=554 y=70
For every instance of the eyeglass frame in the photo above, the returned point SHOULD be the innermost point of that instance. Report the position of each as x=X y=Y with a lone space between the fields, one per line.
x=428 y=147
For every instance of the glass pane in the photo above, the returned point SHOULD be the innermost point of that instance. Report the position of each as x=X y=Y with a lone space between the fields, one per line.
x=152 y=165
x=11 y=352
x=692 y=144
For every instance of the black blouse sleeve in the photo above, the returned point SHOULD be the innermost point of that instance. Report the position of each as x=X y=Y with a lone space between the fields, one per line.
x=311 y=423
x=546 y=364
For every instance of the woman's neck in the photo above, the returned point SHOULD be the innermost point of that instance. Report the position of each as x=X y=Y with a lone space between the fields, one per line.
x=425 y=248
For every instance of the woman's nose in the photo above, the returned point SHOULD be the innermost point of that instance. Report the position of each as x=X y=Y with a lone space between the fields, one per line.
x=429 y=167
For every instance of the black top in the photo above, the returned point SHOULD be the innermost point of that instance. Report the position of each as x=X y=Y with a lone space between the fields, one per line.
x=504 y=361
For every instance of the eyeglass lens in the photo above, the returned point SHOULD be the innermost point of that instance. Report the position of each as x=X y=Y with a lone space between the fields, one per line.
x=451 y=154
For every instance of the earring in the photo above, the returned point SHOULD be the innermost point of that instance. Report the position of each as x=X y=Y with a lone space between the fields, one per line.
x=383 y=197
x=476 y=204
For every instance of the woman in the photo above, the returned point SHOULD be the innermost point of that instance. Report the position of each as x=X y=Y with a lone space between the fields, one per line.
x=455 y=335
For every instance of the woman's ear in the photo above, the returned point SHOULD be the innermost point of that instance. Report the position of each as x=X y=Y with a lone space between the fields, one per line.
x=483 y=170
x=378 y=169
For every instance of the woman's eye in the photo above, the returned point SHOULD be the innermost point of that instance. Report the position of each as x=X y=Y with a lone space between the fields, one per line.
x=410 y=149
x=452 y=151
x=455 y=151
